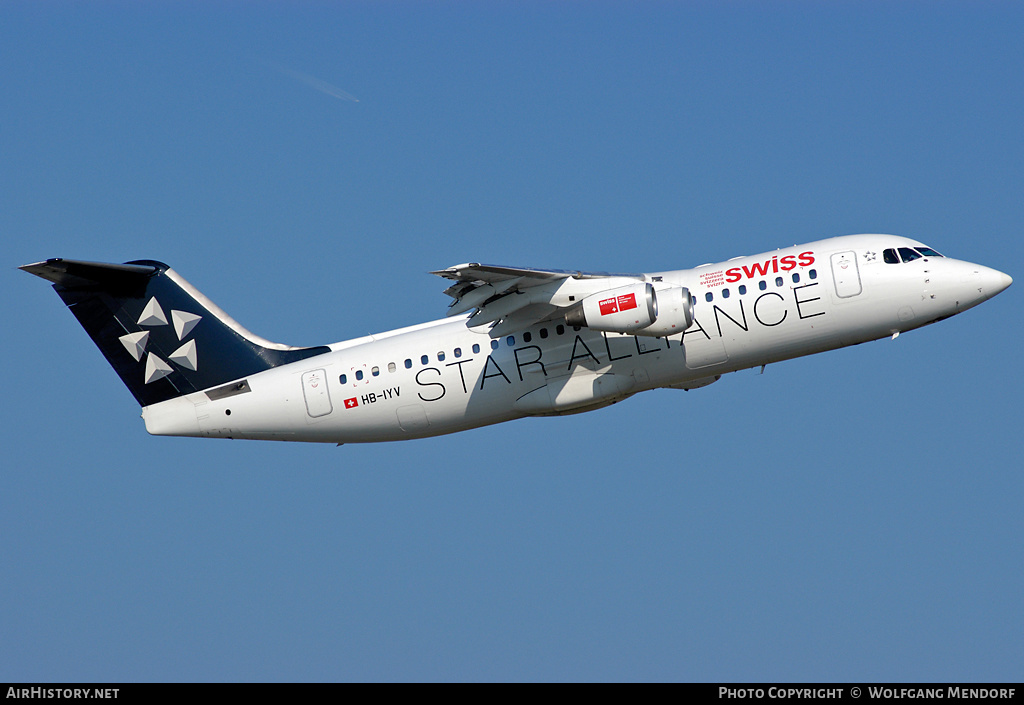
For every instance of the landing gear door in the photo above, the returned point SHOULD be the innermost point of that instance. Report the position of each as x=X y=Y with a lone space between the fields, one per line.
x=314 y=389
x=845 y=274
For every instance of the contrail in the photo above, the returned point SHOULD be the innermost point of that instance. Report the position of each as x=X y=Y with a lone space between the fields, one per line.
x=313 y=82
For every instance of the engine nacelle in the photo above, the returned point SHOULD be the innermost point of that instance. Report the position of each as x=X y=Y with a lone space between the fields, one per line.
x=674 y=308
x=636 y=309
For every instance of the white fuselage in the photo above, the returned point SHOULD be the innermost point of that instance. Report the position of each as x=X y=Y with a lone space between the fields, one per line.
x=444 y=376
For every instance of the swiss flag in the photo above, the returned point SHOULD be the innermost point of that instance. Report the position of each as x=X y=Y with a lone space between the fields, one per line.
x=352 y=403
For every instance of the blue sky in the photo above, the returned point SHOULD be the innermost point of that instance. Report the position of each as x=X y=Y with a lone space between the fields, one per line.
x=850 y=516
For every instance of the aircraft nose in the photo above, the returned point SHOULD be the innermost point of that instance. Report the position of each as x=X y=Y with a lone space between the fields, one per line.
x=981 y=284
x=1004 y=282
x=995 y=281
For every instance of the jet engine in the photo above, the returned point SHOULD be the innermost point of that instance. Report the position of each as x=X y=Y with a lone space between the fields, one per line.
x=636 y=309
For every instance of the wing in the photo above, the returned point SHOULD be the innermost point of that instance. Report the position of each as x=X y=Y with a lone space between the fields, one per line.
x=513 y=298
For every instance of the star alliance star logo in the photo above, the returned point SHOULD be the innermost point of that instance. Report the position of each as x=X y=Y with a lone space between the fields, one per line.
x=869 y=256
x=153 y=316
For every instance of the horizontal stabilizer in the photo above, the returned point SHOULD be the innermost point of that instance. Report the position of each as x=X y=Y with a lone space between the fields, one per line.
x=75 y=274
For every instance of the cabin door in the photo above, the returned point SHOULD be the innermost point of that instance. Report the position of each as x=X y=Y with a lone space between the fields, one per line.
x=845 y=274
x=314 y=389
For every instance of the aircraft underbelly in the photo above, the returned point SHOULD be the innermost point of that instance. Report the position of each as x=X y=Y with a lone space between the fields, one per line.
x=582 y=388
x=701 y=352
x=412 y=418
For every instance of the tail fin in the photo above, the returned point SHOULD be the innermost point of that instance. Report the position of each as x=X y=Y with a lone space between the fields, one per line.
x=162 y=337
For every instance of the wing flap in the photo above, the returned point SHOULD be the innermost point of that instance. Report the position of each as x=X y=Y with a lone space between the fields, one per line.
x=501 y=308
x=474 y=298
x=524 y=318
x=512 y=298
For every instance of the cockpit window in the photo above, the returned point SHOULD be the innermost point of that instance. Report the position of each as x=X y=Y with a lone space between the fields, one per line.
x=908 y=254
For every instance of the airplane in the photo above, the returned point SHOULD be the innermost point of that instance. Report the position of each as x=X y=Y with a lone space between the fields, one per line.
x=516 y=342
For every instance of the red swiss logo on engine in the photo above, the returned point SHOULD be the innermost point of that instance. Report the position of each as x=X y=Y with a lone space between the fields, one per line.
x=617 y=303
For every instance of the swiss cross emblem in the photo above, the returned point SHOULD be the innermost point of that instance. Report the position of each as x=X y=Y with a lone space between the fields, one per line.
x=351 y=403
x=608 y=306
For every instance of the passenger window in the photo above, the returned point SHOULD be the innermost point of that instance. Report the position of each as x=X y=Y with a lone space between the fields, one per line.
x=813 y=274
x=511 y=340
x=743 y=289
x=559 y=329
x=476 y=347
x=543 y=332
x=762 y=285
x=494 y=345
x=889 y=256
x=343 y=379
x=424 y=359
x=408 y=363
x=359 y=374
x=440 y=357
x=375 y=371
x=458 y=352
x=725 y=293
x=908 y=254
x=392 y=367
x=796 y=277
x=709 y=297
x=778 y=281
x=527 y=337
